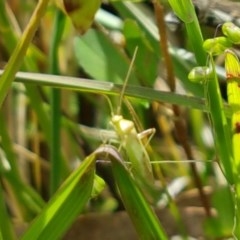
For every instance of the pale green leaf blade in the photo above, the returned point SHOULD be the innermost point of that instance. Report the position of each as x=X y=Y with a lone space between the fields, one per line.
x=100 y=58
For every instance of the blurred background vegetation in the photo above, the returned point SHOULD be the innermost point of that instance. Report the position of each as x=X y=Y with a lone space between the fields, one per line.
x=47 y=132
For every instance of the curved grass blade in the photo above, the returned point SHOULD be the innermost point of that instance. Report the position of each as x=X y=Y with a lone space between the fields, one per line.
x=143 y=218
x=65 y=205
x=6 y=228
x=186 y=12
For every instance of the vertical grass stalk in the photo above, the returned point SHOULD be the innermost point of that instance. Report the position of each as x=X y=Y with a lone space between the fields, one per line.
x=6 y=228
x=184 y=9
x=220 y=125
x=56 y=161
x=186 y=12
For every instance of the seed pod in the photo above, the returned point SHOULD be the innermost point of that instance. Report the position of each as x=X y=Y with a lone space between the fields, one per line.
x=81 y=12
x=231 y=31
x=216 y=46
x=199 y=74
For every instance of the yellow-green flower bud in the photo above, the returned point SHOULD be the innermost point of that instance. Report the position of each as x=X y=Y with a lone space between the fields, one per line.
x=231 y=31
x=199 y=74
x=216 y=46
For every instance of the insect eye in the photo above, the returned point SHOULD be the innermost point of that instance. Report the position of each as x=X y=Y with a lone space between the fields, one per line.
x=116 y=118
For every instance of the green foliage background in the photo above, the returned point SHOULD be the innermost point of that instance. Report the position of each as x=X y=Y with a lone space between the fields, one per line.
x=54 y=118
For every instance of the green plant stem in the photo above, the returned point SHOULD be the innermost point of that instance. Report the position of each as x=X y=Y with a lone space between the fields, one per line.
x=180 y=124
x=196 y=40
x=214 y=100
x=185 y=10
x=220 y=125
x=19 y=52
x=56 y=163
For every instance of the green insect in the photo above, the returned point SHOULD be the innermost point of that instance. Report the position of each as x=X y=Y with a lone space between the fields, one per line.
x=132 y=143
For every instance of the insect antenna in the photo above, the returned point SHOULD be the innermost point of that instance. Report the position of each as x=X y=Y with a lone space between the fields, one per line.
x=126 y=81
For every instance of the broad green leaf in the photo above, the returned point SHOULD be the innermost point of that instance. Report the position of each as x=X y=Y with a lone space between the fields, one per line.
x=101 y=59
x=147 y=58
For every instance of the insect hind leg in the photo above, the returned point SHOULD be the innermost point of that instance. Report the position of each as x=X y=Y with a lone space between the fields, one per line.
x=148 y=135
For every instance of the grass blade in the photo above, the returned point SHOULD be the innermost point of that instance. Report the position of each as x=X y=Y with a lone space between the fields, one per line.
x=28 y=199
x=56 y=160
x=65 y=205
x=6 y=228
x=20 y=50
x=184 y=9
x=80 y=84
x=144 y=219
x=220 y=125
x=214 y=99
